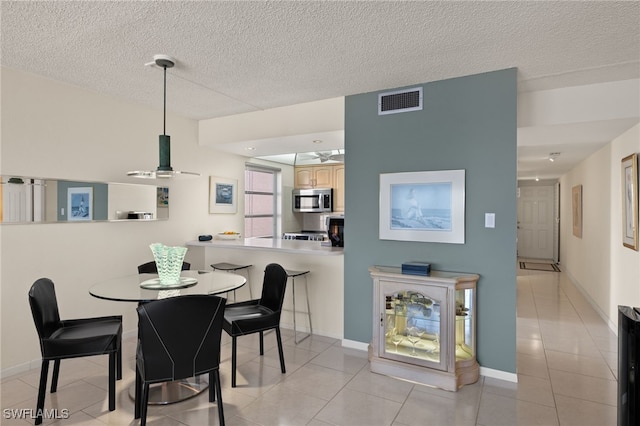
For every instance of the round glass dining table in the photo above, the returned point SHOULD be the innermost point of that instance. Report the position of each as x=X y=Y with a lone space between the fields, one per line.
x=145 y=288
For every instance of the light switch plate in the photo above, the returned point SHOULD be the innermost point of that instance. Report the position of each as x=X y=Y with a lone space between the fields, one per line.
x=489 y=220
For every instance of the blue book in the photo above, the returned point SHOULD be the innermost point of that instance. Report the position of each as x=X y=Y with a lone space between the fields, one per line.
x=416 y=268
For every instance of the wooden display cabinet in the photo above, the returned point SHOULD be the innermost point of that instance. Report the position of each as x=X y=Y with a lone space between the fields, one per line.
x=424 y=327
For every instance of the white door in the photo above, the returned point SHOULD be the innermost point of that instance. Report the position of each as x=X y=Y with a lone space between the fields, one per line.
x=535 y=222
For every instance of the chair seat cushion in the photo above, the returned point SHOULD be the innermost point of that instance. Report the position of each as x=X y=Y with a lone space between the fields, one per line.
x=239 y=320
x=82 y=338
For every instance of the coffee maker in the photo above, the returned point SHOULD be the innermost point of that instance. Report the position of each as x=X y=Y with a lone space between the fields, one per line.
x=335 y=230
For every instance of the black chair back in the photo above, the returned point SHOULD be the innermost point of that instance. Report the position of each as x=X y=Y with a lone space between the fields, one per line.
x=152 y=268
x=179 y=337
x=273 y=287
x=44 y=307
x=72 y=338
x=259 y=315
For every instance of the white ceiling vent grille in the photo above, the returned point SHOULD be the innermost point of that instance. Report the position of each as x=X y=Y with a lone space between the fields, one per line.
x=400 y=101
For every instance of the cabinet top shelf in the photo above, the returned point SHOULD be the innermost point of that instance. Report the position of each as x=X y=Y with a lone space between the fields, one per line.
x=445 y=277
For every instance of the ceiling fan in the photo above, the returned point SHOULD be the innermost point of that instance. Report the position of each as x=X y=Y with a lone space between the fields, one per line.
x=329 y=156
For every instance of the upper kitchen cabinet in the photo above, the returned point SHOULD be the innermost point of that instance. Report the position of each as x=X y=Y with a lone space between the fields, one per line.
x=338 y=188
x=314 y=177
x=323 y=176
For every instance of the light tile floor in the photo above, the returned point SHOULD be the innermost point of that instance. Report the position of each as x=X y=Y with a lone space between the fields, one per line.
x=566 y=357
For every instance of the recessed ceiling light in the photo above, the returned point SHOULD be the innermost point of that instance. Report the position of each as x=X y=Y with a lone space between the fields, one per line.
x=317 y=141
x=251 y=148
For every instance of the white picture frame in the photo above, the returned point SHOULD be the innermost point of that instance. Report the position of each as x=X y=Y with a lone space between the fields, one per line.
x=630 y=201
x=80 y=204
x=223 y=195
x=426 y=206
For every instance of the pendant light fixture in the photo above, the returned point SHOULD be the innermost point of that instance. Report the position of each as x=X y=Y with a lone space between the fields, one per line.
x=164 y=170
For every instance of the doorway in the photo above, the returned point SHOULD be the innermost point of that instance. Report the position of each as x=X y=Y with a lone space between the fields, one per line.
x=538 y=220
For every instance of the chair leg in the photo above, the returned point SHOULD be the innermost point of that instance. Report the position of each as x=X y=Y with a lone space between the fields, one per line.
x=233 y=362
x=261 y=343
x=138 y=397
x=280 y=352
x=112 y=380
x=144 y=403
x=216 y=380
x=42 y=390
x=119 y=360
x=212 y=389
x=54 y=378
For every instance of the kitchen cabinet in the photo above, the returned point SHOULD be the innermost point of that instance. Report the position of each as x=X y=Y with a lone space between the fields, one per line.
x=323 y=176
x=313 y=176
x=424 y=327
x=338 y=188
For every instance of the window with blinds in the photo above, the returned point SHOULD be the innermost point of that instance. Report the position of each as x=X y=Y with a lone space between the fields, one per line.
x=260 y=201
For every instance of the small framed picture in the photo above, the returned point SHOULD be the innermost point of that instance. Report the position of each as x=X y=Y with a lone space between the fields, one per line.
x=630 y=201
x=162 y=196
x=79 y=204
x=223 y=195
x=576 y=208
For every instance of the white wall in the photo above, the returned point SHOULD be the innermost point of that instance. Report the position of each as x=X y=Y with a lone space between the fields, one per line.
x=625 y=263
x=607 y=272
x=54 y=130
x=325 y=283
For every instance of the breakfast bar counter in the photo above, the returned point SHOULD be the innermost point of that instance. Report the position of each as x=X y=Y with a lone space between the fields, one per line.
x=325 y=280
x=276 y=244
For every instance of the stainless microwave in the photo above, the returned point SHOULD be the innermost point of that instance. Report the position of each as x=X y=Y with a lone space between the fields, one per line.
x=315 y=200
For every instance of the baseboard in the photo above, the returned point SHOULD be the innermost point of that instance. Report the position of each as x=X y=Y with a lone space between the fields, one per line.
x=21 y=368
x=484 y=371
x=37 y=363
x=613 y=327
x=354 y=344
x=303 y=329
x=499 y=374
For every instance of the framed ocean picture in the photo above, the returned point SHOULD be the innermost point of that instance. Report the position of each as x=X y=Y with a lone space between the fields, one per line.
x=423 y=206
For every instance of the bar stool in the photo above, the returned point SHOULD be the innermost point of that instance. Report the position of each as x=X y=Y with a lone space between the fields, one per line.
x=234 y=268
x=293 y=274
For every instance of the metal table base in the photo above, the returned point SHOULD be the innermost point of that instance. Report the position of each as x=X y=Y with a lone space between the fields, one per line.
x=171 y=392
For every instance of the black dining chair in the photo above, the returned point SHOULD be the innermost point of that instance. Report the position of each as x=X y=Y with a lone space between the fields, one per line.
x=259 y=315
x=178 y=338
x=151 y=268
x=63 y=339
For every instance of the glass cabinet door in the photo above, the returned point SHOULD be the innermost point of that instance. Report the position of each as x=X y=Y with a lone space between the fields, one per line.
x=412 y=328
x=464 y=333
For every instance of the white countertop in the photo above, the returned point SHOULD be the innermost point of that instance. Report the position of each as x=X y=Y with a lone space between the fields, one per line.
x=284 y=246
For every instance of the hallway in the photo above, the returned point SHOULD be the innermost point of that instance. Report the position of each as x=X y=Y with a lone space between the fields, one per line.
x=566 y=353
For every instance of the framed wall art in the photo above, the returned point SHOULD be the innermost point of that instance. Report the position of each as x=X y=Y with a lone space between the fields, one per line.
x=79 y=204
x=630 y=201
x=576 y=209
x=424 y=206
x=223 y=195
x=162 y=196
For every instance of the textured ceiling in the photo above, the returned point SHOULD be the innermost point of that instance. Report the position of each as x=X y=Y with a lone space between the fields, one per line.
x=242 y=56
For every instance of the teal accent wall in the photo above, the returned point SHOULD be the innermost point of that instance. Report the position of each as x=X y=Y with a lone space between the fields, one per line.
x=466 y=123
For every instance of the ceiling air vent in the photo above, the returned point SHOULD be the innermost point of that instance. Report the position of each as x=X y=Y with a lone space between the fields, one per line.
x=400 y=101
